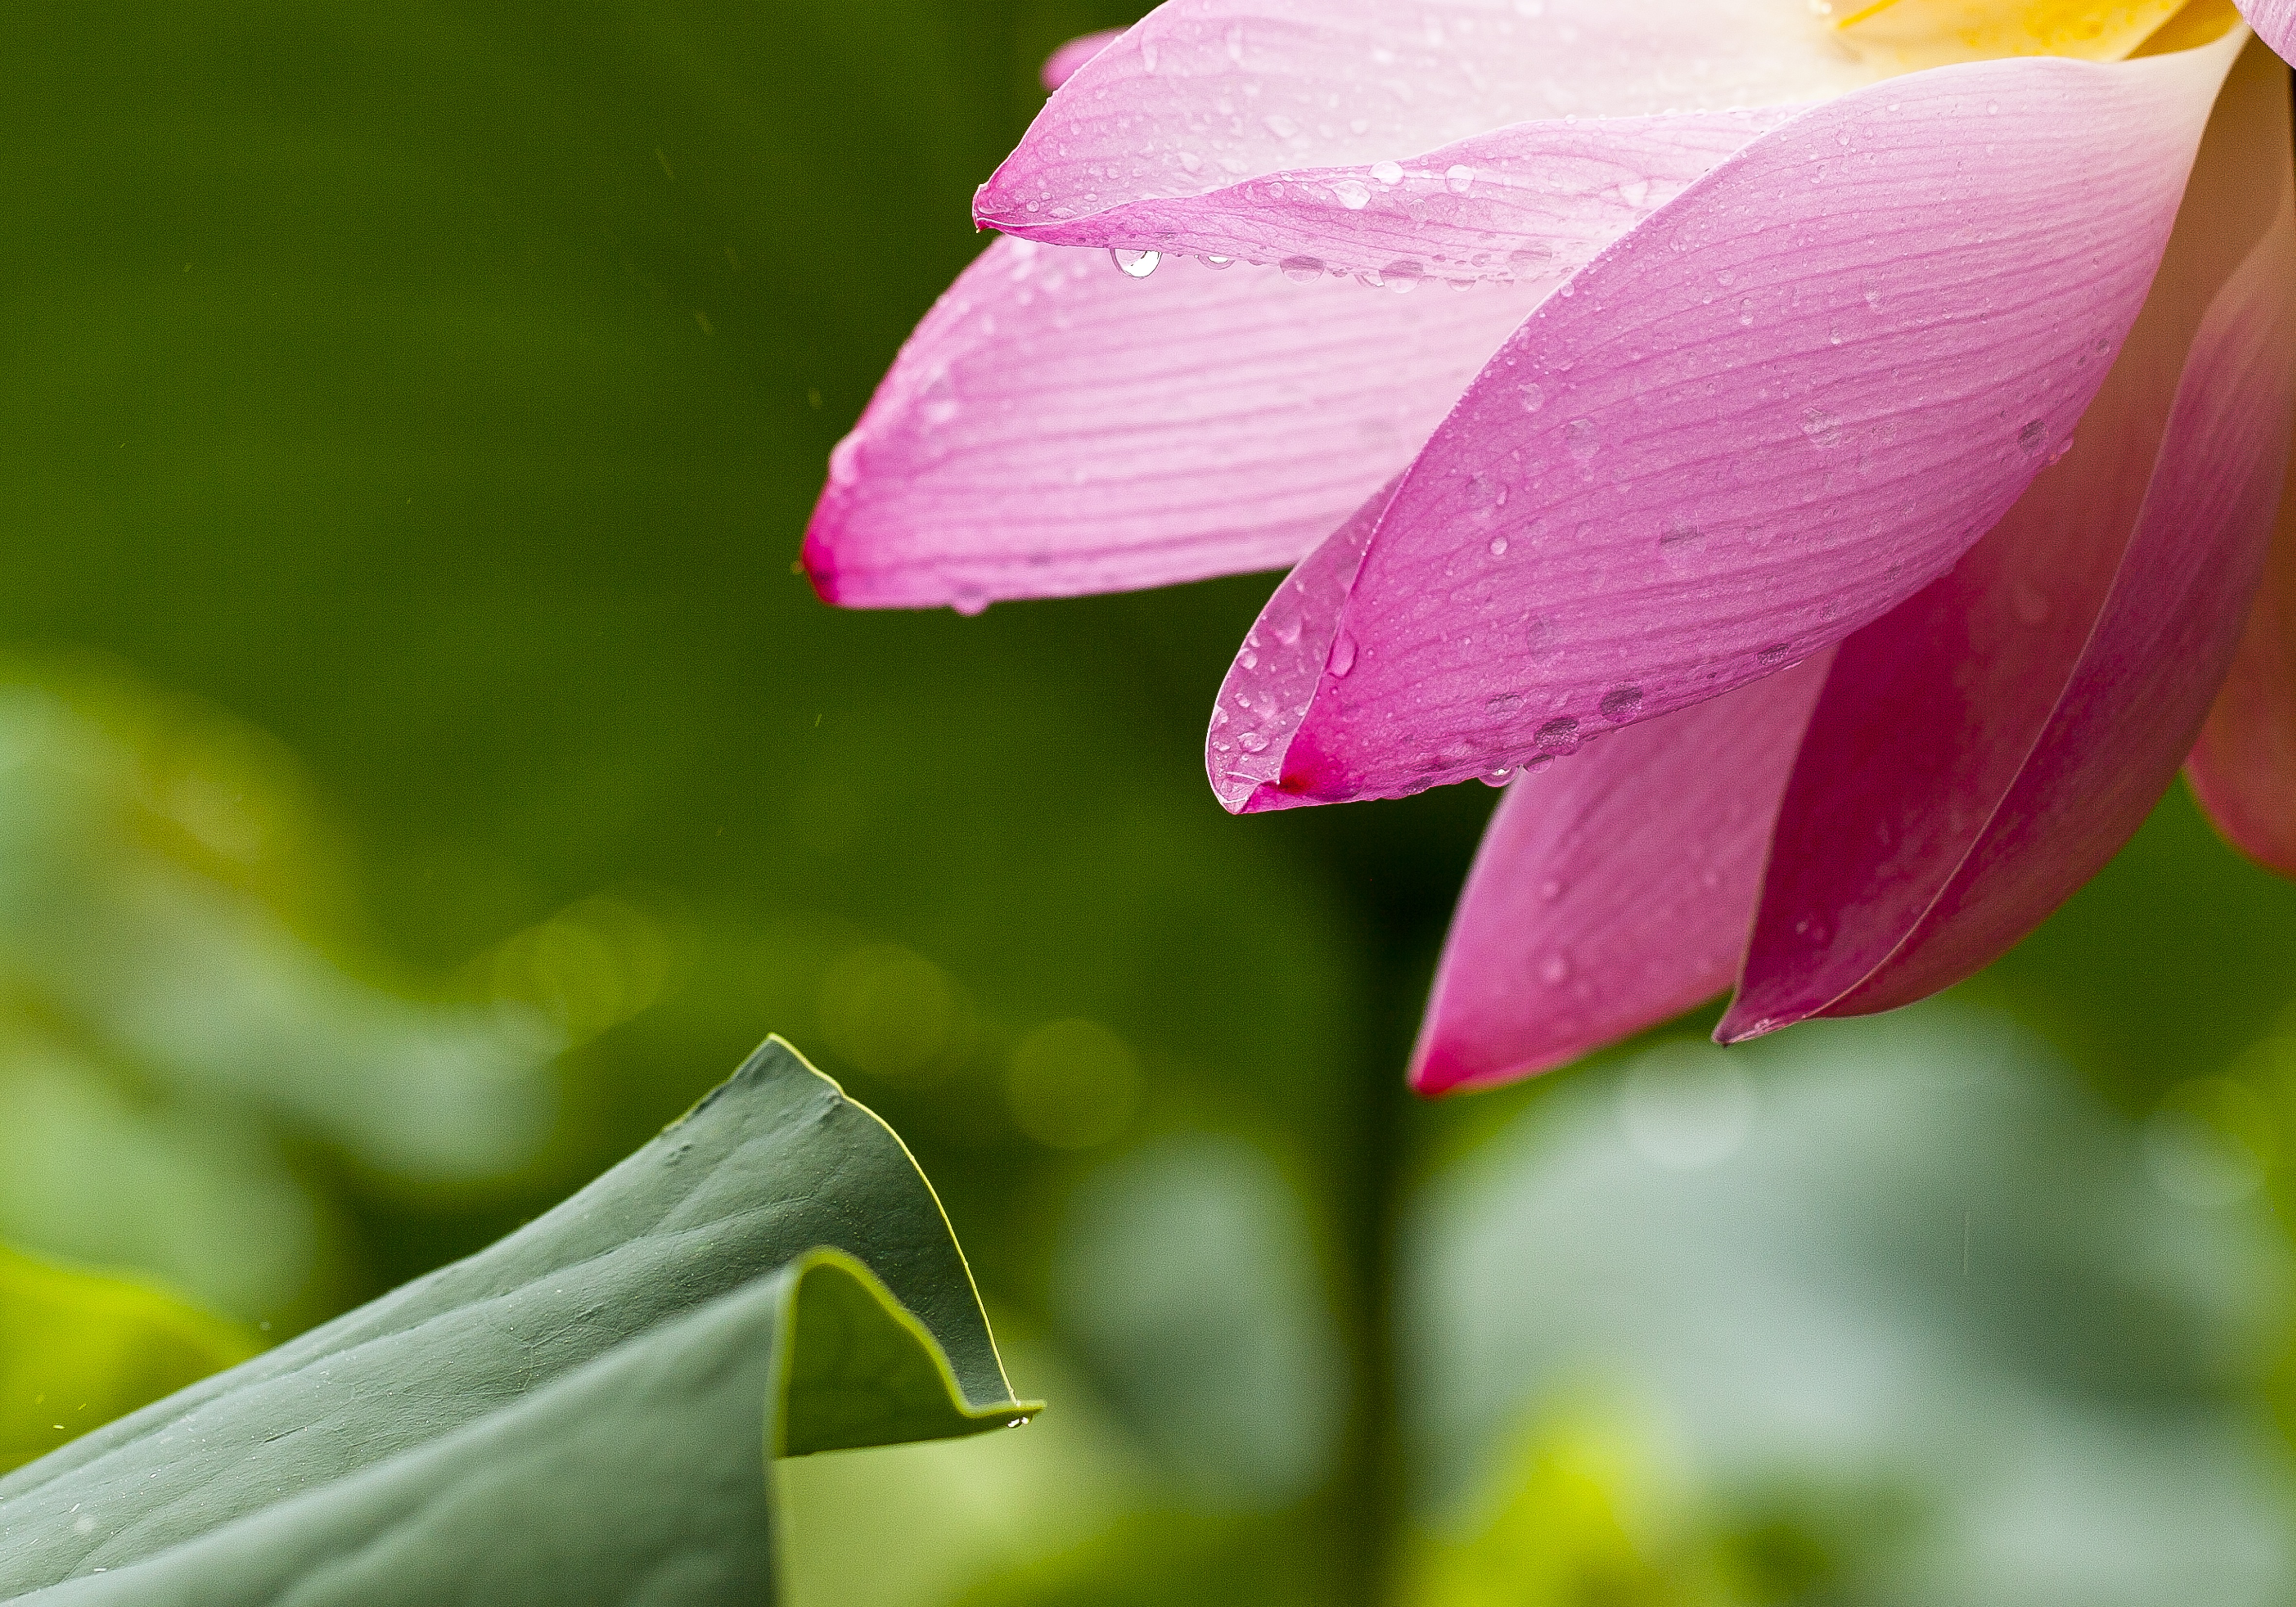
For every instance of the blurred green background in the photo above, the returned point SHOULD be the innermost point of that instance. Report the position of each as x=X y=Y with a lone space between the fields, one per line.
x=421 y=774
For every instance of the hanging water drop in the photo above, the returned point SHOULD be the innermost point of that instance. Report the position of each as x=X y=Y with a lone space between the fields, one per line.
x=1136 y=264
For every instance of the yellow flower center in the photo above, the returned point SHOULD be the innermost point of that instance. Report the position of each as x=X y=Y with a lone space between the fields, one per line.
x=1901 y=36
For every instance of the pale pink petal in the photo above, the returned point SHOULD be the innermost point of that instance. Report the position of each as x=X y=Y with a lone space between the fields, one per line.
x=1202 y=94
x=1980 y=752
x=1531 y=201
x=1061 y=65
x=2274 y=22
x=2243 y=767
x=1613 y=888
x=1053 y=427
x=1774 y=410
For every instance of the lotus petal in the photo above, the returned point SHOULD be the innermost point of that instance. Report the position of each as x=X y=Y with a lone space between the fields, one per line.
x=1980 y=752
x=1201 y=95
x=1054 y=427
x=2243 y=767
x=2274 y=22
x=1613 y=888
x=1534 y=200
x=1061 y=65
x=1772 y=412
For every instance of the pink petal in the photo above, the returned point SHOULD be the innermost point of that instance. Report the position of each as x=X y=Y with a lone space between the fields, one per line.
x=1771 y=413
x=1053 y=427
x=1061 y=65
x=1530 y=200
x=1203 y=93
x=2243 y=767
x=1980 y=752
x=2274 y=22
x=1613 y=888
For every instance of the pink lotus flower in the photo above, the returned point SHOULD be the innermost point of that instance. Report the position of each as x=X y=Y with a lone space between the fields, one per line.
x=1724 y=495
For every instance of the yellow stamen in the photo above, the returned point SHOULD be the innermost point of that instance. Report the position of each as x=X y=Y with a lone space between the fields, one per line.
x=1904 y=34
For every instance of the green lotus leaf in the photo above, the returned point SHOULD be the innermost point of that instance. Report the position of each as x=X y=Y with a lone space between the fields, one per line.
x=582 y=1413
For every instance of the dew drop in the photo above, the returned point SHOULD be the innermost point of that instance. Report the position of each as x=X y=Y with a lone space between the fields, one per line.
x=1387 y=174
x=1354 y=194
x=2033 y=438
x=1550 y=890
x=968 y=598
x=1823 y=429
x=1458 y=179
x=1498 y=546
x=1137 y=264
x=1403 y=275
x=1578 y=439
x=1533 y=398
x=1621 y=704
x=1562 y=732
x=1302 y=269
x=1502 y=704
x=1216 y=263
x=1343 y=654
x=1556 y=968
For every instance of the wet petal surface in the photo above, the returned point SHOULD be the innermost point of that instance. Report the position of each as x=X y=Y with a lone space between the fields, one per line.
x=1772 y=412
x=1054 y=427
x=1980 y=752
x=1613 y=889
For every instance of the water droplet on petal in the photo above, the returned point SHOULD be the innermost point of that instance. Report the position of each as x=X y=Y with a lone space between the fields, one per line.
x=1621 y=704
x=1556 y=968
x=1550 y=890
x=1302 y=268
x=968 y=598
x=1458 y=179
x=1562 y=732
x=1137 y=264
x=1403 y=275
x=1343 y=654
x=1354 y=194
x=1823 y=429
x=1216 y=262
x=1533 y=398
x=1498 y=546
x=1389 y=174
x=1578 y=439
x=2033 y=438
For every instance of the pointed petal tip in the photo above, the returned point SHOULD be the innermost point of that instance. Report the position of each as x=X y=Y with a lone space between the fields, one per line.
x=1440 y=1067
x=1744 y=1022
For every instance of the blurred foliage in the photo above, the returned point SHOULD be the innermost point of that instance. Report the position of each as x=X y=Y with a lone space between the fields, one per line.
x=85 y=1348
x=441 y=391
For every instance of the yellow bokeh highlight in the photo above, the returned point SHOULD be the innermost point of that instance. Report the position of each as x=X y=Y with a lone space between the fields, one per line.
x=79 y=1348
x=1903 y=36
